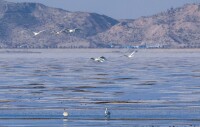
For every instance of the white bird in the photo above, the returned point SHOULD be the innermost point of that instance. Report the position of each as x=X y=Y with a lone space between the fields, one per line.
x=131 y=55
x=67 y=31
x=59 y=32
x=72 y=30
x=107 y=113
x=37 y=33
x=65 y=113
x=99 y=59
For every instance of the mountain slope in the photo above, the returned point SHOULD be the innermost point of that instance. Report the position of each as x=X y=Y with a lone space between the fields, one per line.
x=174 y=28
x=18 y=21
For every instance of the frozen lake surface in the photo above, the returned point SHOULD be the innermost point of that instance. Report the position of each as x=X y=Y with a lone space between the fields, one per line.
x=154 y=88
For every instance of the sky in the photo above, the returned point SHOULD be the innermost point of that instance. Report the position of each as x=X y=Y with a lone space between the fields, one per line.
x=118 y=9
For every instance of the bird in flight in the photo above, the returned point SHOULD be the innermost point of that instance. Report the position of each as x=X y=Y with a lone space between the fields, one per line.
x=66 y=30
x=99 y=59
x=59 y=32
x=131 y=54
x=37 y=33
x=72 y=30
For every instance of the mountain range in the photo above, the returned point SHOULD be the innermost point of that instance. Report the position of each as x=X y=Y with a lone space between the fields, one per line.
x=174 y=28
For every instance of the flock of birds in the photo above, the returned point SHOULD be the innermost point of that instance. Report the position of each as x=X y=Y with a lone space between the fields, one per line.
x=65 y=30
x=103 y=59
x=98 y=59
x=107 y=113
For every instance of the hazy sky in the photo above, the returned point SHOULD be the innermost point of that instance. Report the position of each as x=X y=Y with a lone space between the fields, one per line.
x=119 y=9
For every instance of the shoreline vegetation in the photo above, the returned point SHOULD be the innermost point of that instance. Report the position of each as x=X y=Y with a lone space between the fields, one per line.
x=113 y=50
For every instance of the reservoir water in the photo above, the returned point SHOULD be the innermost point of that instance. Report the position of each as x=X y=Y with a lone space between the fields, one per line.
x=157 y=87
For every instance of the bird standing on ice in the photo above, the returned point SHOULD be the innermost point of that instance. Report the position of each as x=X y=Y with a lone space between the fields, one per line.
x=65 y=113
x=107 y=113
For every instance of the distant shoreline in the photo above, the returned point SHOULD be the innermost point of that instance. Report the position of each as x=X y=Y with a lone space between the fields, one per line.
x=38 y=50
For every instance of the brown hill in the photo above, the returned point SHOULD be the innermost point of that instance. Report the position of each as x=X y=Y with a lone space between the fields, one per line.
x=178 y=27
x=18 y=21
x=175 y=28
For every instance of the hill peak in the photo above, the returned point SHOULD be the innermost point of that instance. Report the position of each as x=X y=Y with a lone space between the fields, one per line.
x=176 y=27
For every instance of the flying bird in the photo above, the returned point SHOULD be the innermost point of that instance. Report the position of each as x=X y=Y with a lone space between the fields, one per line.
x=131 y=54
x=66 y=30
x=72 y=30
x=59 y=32
x=99 y=59
x=37 y=33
